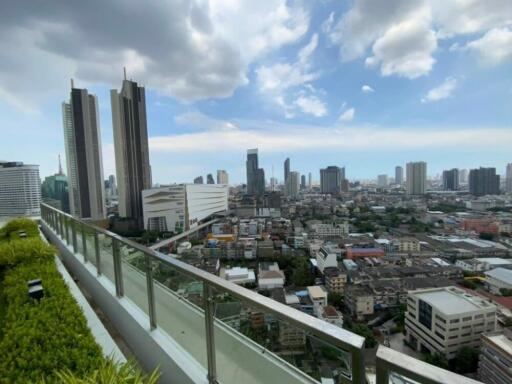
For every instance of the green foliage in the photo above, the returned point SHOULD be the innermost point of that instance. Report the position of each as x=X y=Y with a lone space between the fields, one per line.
x=12 y=228
x=468 y=284
x=505 y=292
x=25 y=250
x=437 y=359
x=486 y=236
x=466 y=360
x=335 y=299
x=108 y=372
x=301 y=275
x=366 y=332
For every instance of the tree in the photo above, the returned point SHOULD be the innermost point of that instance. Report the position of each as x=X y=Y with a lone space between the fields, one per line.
x=468 y=284
x=367 y=333
x=486 y=236
x=334 y=299
x=466 y=360
x=437 y=359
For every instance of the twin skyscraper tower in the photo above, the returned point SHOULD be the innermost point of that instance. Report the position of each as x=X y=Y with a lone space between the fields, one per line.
x=82 y=137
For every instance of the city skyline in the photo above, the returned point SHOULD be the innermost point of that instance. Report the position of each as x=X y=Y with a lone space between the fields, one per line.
x=321 y=93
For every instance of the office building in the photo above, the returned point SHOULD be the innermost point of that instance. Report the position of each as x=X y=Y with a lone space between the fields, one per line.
x=198 y=180
x=112 y=185
x=54 y=191
x=177 y=208
x=303 y=182
x=293 y=185
x=255 y=175
x=82 y=139
x=399 y=175
x=416 y=177
x=20 y=189
x=445 y=319
x=209 y=179
x=382 y=180
x=331 y=178
x=286 y=169
x=484 y=181
x=131 y=148
x=451 y=180
x=222 y=177
x=495 y=360
x=508 y=178
x=310 y=180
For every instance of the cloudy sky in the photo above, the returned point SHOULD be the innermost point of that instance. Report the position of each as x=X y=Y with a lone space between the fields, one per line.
x=365 y=84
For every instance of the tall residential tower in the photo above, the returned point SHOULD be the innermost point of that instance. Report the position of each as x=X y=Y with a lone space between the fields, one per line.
x=416 y=178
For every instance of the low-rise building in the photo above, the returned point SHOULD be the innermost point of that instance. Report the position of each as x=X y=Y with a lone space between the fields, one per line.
x=331 y=315
x=354 y=253
x=318 y=295
x=238 y=275
x=335 y=280
x=270 y=276
x=329 y=230
x=495 y=362
x=497 y=279
x=325 y=258
x=359 y=300
x=408 y=244
x=445 y=319
x=483 y=264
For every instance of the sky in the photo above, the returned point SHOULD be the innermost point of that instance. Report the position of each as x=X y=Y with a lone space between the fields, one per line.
x=363 y=84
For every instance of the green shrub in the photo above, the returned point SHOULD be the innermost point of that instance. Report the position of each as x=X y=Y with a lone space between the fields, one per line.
x=12 y=228
x=24 y=251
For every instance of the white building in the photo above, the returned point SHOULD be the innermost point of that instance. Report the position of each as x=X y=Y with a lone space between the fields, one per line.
x=482 y=264
x=331 y=315
x=180 y=207
x=382 y=180
x=270 y=276
x=445 y=319
x=318 y=295
x=497 y=279
x=324 y=231
x=222 y=177
x=325 y=259
x=416 y=178
x=20 y=189
x=293 y=185
x=238 y=275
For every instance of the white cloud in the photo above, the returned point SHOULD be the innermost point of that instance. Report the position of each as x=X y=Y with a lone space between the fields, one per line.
x=494 y=47
x=442 y=91
x=311 y=105
x=348 y=115
x=328 y=23
x=367 y=89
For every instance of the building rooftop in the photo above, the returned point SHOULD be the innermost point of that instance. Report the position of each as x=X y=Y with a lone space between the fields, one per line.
x=501 y=341
x=316 y=291
x=452 y=301
x=501 y=274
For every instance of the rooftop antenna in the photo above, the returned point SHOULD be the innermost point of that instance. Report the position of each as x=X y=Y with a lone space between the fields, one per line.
x=72 y=83
x=60 y=164
x=124 y=70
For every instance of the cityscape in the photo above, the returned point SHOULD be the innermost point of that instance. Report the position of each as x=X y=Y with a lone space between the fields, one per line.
x=278 y=261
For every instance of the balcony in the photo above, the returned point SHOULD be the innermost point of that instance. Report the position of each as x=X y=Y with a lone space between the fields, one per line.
x=169 y=314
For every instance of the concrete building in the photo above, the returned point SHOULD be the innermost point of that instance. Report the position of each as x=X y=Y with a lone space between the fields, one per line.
x=222 y=177
x=483 y=264
x=497 y=279
x=335 y=280
x=310 y=180
x=318 y=295
x=292 y=185
x=209 y=179
x=451 y=180
x=445 y=319
x=180 y=207
x=82 y=140
x=399 y=175
x=329 y=230
x=463 y=176
x=508 y=178
x=20 y=189
x=407 y=244
x=54 y=191
x=286 y=169
x=255 y=175
x=331 y=178
x=198 y=180
x=238 y=275
x=382 y=180
x=331 y=315
x=359 y=301
x=326 y=259
x=131 y=148
x=416 y=178
x=484 y=181
x=270 y=276
x=495 y=361
x=303 y=182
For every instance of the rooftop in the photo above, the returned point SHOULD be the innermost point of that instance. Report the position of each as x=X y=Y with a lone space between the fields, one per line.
x=501 y=274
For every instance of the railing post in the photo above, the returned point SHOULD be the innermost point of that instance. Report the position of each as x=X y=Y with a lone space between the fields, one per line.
x=358 y=370
x=118 y=273
x=151 y=291
x=97 y=252
x=66 y=225
x=209 y=303
x=381 y=372
x=73 y=235
x=84 y=244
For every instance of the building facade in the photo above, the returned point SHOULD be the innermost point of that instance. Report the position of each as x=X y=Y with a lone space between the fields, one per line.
x=131 y=148
x=451 y=180
x=293 y=185
x=416 y=178
x=286 y=169
x=331 y=179
x=495 y=361
x=255 y=175
x=54 y=191
x=82 y=140
x=20 y=189
x=399 y=175
x=484 y=181
x=222 y=177
x=508 y=178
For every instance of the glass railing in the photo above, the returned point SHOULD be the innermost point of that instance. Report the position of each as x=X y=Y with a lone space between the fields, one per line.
x=237 y=335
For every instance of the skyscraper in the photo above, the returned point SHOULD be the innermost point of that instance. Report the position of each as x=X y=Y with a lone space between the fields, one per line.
x=198 y=180
x=286 y=169
x=293 y=184
x=416 y=177
x=463 y=176
x=331 y=178
x=20 y=189
x=131 y=148
x=255 y=175
x=484 y=181
x=399 y=175
x=303 y=182
x=451 y=180
x=222 y=177
x=82 y=139
x=112 y=185
x=209 y=179
x=310 y=180
x=382 y=180
x=508 y=178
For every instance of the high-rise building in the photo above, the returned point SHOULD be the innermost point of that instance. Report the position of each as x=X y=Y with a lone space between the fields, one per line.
x=310 y=180
x=209 y=179
x=508 y=178
x=54 y=191
x=82 y=139
x=131 y=148
x=112 y=185
x=255 y=175
x=416 y=177
x=286 y=169
x=222 y=177
x=20 y=189
x=451 y=180
x=382 y=180
x=484 y=181
x=292 y=184
x=303 y=182
x=463 y=176
x=331 y=178
x=399 y=175
x=198 y=180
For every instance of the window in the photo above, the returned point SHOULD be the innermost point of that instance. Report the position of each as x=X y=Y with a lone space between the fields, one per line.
x=454 y=321
x=425 y=314
x=490 y=314
x=465 y=334
x=467 y=318
x=439 y=335
x=479 y=316
x=441 y=327
x=440 y=319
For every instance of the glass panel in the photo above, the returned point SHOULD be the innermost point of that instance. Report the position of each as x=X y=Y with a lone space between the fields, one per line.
x=106 y=257
x=67 y=230
x=179 y=303
x=79 y=244
x=134 y=276
x=395 y=378
x=255 y=346
x=90 y=247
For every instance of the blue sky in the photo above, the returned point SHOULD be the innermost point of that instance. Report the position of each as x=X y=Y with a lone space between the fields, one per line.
x=358 y=84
